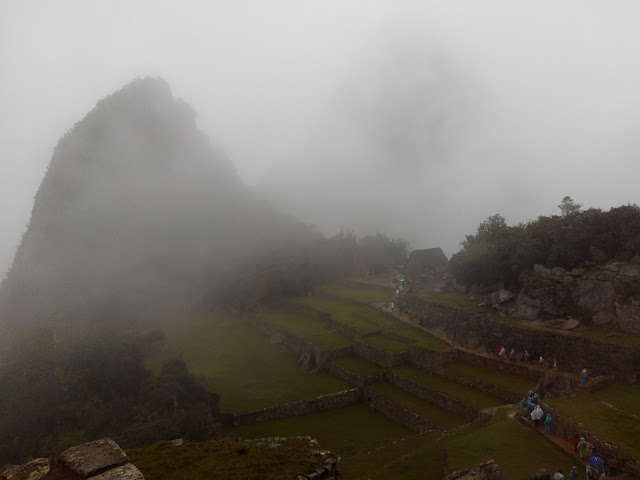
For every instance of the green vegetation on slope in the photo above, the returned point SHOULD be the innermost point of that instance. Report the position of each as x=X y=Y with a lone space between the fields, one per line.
x=465 y=394
x=239 y=364
x=623 y=396
x=386 y=343
x=431 y=412
x=358 y=365
x=605 y=422
x=456 y=300
x=363 y=294
x=357 y=316
x=229 y=459
x=420 y=337
x=305 y=327
x=505 y=380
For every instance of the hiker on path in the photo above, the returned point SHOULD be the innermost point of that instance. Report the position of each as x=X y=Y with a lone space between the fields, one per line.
x=541 y=362
x=537 y=415
x=548 y=422
x=573 y=474
x=512 y=355
x=613 y=466
x=530 y=405
x=526 y=357
x=555 y=365
x=558 y=475
x=583 y=448
x=575 y=441
x=503 y=352
x=584 y=375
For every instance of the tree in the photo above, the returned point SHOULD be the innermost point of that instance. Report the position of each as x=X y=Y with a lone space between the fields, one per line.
x=568 y=206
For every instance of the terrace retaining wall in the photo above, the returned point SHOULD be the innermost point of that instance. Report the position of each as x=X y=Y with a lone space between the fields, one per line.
x=330 y=321
x=478 y=331
x=433 y=396
x=567 y=428
x=379 y=356
x=325 y=402
x=430 y=360
x=398 y=414
x=352 y=377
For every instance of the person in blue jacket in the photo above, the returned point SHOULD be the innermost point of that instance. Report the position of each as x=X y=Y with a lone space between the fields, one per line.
x=547 y=423
x=585 y=375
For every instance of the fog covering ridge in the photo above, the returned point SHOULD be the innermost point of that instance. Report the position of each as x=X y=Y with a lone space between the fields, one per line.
x=136 y=208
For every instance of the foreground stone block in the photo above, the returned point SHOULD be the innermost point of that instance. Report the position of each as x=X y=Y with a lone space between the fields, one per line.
x=93 y=457
x=33 y=470
x=124 y=472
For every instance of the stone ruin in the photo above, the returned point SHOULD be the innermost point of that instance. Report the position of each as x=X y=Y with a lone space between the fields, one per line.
x=485 y=471
x=98 y=460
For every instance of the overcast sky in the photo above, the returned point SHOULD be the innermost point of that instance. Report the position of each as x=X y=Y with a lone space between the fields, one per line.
x=415 y=119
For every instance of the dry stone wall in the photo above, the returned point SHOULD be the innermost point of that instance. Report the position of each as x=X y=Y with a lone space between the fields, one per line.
x=433 y=396
x=325 y=402
x=352 y=377
x=573 y=352
x=379 y=356
x=400 y=415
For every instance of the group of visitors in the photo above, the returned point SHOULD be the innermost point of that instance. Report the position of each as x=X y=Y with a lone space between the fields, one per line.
x=535 y=411
x=501 y=352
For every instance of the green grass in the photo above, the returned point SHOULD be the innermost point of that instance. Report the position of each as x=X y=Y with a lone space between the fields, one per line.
x=420 y=338
x=623 y=396
x=228 y=459
x=518 y=450
x=240 y=364
x=624 y=339
x=358 y=365
x=358 y=317
x=388 y=344
x=347 y=431
x=307 y=328
x=361 y=294
x=465 y=394
x=606 y=423
x=427 y=410
x=504 y=380
x=459 y=301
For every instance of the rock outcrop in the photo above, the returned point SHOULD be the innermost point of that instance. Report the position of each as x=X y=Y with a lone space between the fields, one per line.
x=485 y=471
x=98 y=460
x=608 y=295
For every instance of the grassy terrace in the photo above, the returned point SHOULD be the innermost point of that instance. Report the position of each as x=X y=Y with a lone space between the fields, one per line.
x=622 y=396
x=228 y=459
x=517 y=449
x=421 y=338
x=607 y=423
x=237 y=362
x=347 y=431
x=358 y=365
x=386 y=343
x=427 y=410
x=455 y=300
x=466 y=394
x=505 y=380
x=307 y=328
x=358 y=317
x=361 y=294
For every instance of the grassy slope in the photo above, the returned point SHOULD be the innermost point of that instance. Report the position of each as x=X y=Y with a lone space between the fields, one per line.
x=386 y=343
x=427 y=410
x=358 y=317
x=622 y=396
x=507 y=381
x=466 y=394
x=228 y=459
x=307 y=328
x=607 y=423
x=237 y=362
x=358 y=365
x=361 y=294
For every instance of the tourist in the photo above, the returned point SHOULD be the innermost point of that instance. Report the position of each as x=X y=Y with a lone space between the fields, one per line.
x=591 y=473
x=526 y=357
x=503 y=352
x=498 y=352
x=573 y=474
x=555 y=365
x=541 y=362
x=536 y=415
x=575 y=441
x=548 y=422
x=558 y=475
x=585 y=375
x=613 y=466
x=530 y=405
x=523 y=402
x=583 y=448
x=512 y=355
x=530 y=393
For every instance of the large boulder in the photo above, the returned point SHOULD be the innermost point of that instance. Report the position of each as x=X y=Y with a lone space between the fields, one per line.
x=93 y=457
x=33 y=470
x=485 y=471
x=594 y=295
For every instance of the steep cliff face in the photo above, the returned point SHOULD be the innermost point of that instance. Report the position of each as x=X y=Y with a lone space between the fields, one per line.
x=136 y=207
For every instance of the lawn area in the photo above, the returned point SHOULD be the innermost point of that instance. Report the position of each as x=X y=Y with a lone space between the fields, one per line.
x=386 y=343
x=227 y=458
x=427 y=410
x=347 y=431
x=420 y=337
x=466 y=394
x=307 y=328
x=361 y=294
x=624 y=339
x=606 y=423
x=358 y=317
x=505 y=380
x=358 y=365
x=623 y=396
x=518 y=450
x=240 y=364
x=456 y=300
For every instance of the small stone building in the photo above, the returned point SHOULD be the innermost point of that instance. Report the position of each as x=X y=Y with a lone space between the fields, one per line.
x=422 y=261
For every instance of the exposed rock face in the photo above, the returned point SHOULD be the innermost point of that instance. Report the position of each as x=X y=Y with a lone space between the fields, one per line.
x=485 y=471
x=607 y=295
x=99 y=460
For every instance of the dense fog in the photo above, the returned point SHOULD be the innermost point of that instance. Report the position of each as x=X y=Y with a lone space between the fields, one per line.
x=413 y=119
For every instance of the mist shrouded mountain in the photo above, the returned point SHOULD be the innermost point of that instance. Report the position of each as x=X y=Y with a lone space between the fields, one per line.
x=136 y=208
